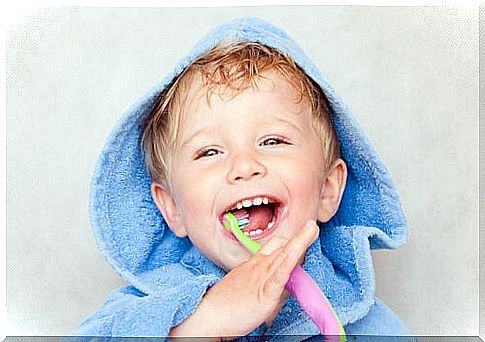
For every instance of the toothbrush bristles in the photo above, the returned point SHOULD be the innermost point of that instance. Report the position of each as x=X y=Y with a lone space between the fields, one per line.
x=243 y=222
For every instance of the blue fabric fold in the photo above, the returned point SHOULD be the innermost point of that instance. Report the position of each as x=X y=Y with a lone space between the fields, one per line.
x=168 y=276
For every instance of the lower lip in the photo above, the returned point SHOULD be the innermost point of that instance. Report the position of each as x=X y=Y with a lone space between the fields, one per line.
x=265 y=233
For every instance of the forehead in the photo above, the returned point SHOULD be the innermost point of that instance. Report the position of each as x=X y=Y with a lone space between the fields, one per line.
x=269 y=89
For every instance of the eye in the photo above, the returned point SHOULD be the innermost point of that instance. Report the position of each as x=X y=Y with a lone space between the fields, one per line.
x=274 y=141
x=206 y=153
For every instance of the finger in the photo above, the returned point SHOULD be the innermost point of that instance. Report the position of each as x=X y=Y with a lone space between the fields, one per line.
x=277 y=242
x=280 y=273
x=267 y=253
x=273 y=245
x=305 y=237
x=286 y=260
x=295 y=248
x=275 y=284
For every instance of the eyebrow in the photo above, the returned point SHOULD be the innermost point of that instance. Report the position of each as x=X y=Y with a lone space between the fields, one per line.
x=290 y=124
x=197 y=133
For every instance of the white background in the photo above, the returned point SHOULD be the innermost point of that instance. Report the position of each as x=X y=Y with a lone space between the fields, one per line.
x=410 y=75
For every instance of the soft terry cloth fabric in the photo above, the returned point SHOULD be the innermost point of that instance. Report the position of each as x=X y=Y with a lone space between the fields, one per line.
x=168 y=276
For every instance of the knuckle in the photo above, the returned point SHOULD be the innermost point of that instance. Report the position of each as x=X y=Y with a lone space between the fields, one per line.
x=270 y=287
x=296 y=247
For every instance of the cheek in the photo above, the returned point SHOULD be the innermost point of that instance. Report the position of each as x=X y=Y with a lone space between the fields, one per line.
x=196 y=193
x=306 y=173
x=305 y=181
x=186 y=183
x=308 y=193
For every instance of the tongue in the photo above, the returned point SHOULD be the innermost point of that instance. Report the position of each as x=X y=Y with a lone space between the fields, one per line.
x=259 y=217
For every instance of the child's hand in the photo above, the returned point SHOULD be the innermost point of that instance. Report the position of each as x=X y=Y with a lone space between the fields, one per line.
x=251 y=293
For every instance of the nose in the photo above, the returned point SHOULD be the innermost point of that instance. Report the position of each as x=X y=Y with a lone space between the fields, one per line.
x=245 y=167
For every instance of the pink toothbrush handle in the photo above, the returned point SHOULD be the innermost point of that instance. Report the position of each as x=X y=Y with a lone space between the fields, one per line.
x=313 y=301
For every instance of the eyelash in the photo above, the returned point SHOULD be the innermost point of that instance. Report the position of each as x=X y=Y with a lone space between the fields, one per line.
x=202 y=153
x=279 y=140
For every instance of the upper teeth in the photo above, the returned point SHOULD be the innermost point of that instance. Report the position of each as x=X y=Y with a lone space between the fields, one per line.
x=256 y=201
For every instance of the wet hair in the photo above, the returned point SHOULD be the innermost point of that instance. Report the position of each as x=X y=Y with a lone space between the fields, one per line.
x=227 y=70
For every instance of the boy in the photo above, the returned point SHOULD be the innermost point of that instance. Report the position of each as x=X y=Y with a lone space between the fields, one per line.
x=244 y=124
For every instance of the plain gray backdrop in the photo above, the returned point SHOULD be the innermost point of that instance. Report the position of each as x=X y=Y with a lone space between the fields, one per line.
x=410 y=76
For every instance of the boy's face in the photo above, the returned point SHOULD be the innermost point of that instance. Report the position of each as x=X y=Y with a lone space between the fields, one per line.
x=255 y=147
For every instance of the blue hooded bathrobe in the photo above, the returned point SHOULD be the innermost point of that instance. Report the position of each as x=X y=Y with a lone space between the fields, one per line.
x=168 y=276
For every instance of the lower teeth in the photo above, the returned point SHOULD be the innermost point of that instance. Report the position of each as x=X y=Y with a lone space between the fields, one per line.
x=271 y=224
x=254 y=232
x=245 y=221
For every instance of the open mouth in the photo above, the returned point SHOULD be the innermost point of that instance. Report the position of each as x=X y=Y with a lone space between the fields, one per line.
x=257 y=216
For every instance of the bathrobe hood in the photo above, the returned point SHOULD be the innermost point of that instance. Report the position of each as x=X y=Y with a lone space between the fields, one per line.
x=136 y=241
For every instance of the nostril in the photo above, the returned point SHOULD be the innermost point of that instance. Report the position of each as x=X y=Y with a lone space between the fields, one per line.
x=245 y=167
x=254 y=174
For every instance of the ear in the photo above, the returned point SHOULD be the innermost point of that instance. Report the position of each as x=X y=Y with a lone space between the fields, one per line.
x=332 y=190
x=168 y=207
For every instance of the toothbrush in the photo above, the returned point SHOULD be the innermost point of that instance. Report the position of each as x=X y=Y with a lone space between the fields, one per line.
x=301 y=286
